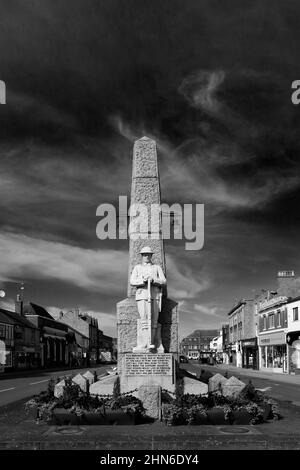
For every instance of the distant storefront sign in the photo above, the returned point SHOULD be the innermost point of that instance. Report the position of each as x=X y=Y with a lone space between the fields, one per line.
x=249 y=343
x=275 y=338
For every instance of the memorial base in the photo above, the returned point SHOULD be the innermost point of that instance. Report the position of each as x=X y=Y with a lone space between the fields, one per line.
x=147 y=369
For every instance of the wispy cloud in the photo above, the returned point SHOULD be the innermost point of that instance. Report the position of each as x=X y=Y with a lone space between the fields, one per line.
x=207 y=310
x=23 y=257
x=201 y=88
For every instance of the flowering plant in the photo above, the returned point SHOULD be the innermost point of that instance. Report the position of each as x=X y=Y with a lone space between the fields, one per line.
x=196 y=414
x=256 y=413
x=227 y=411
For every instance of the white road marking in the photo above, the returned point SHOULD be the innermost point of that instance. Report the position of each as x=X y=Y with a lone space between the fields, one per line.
x=41 y=381
x=263 y=389
x=7 y=389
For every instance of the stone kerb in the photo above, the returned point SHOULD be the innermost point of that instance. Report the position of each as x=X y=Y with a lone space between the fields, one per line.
x=59 y=389
x=232 y=387
x=194 y=387
x=89 y=376
x=81 y=381
x=104 y=386
x=216 y=383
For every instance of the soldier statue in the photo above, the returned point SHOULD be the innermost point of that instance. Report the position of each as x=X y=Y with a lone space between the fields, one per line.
x=148 y=278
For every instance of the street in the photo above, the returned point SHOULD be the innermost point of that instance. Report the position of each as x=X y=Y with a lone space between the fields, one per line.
x=275 y=387
x=16 y=386
x=29 y=383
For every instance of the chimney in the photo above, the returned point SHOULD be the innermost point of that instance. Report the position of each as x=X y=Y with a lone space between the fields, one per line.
x=286 y=284
x=19 y=305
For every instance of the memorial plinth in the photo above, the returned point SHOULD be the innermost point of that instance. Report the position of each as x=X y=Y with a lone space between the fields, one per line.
x=147 y=369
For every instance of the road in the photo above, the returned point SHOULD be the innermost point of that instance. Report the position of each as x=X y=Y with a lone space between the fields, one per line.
x=26 y=384
x=276 y=389
x=17 y=386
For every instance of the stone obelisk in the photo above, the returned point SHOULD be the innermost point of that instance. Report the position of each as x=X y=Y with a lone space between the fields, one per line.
x=145 y=189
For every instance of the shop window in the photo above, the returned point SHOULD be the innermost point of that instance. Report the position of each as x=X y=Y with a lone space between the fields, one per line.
x=295 y=314
x=263 y=357
x=270 y=356
x=8 y=362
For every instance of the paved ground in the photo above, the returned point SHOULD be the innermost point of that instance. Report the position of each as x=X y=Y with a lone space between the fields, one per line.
x=20 y=431
x=16 y=386
x=279 y=386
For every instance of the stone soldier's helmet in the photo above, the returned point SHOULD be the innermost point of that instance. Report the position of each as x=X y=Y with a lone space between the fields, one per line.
x=146 y=250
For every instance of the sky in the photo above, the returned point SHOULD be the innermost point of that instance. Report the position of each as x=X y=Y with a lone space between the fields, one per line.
x=210 y=81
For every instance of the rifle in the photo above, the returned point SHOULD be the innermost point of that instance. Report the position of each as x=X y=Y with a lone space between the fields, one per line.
x=149 y=312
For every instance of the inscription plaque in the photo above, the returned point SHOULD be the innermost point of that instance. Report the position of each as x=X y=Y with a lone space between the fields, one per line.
x=148 y=364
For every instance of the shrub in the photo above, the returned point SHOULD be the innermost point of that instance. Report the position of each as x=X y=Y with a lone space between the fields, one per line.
x=227 y=412
x=50 y=387
x=274 y=409
x=117 y=388
x=256 y=413
x=196 y=414
x=179 y=391
x=174 y=415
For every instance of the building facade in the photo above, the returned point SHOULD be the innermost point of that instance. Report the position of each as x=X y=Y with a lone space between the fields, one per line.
x=6 y=342
x=242 y=350
x=272 y=329
x=53 y=335
x=87 y=326
x=198 y=342
x=21 y=340
x=293 y=335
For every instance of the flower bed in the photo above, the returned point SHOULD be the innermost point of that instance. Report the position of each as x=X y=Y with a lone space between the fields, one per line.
x=250 y=407
x=76 y=407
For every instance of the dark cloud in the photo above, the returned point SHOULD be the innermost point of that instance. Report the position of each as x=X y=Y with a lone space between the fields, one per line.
x=209 y=80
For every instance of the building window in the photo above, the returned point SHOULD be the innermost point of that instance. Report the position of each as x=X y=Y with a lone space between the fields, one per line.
x=295 y=314
x=278 y=318
x=265 y=322
x=2 y=331
x=272 y=321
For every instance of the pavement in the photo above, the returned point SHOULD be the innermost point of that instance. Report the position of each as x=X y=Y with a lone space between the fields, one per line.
x=20 y=432
x=278 y=386
x=279 y=377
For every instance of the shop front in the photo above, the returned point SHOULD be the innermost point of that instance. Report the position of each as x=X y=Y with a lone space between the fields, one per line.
x=293 y=341
x=249 y=353
x=27 y=357
x=273 y=352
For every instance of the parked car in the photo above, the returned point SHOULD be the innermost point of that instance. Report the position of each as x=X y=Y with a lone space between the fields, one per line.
x=183 y=359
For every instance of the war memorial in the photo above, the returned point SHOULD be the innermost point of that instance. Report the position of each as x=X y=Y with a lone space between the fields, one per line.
x=147 y=324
